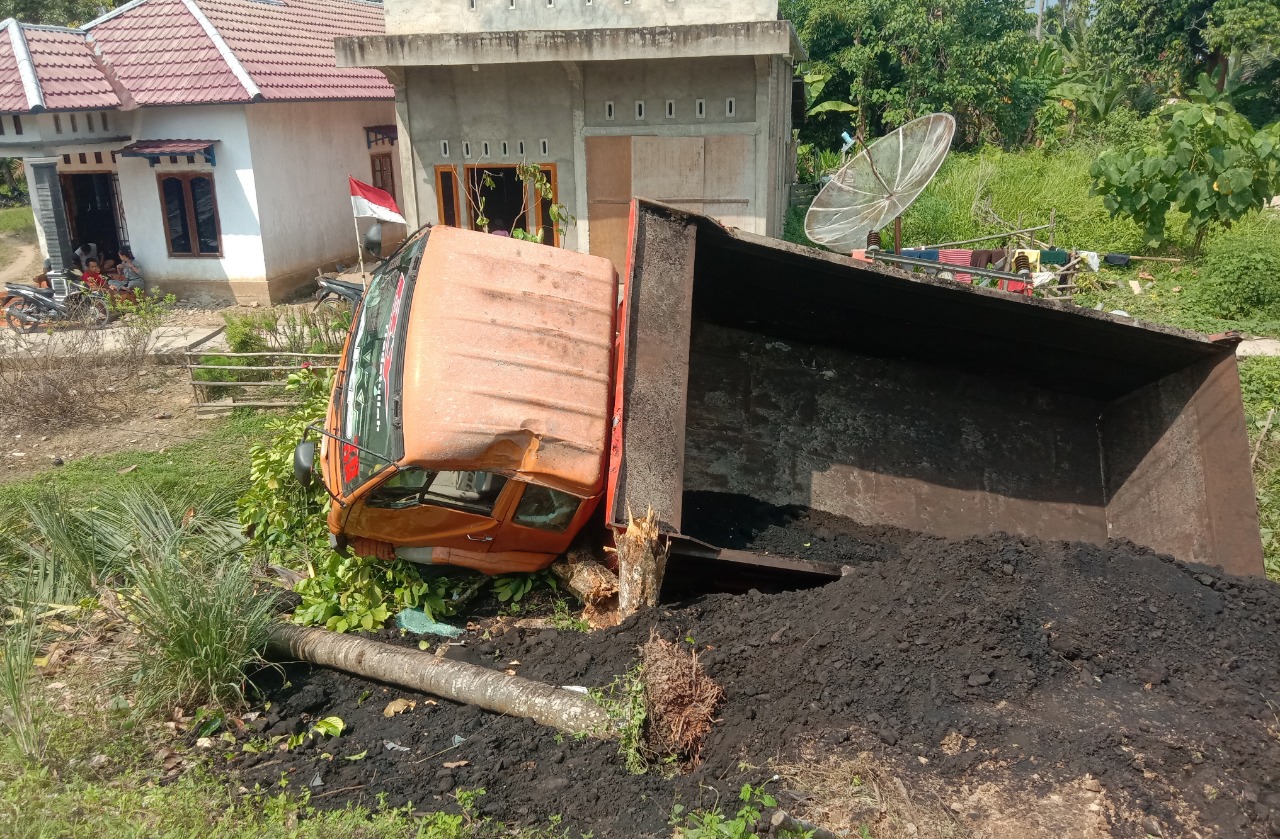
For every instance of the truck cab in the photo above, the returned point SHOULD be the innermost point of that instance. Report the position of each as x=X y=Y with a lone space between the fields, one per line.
x=468 y=423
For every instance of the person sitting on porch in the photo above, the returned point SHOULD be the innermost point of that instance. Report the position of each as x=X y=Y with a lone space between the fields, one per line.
x=126 y=275
x=86 y=252
x=92 y=276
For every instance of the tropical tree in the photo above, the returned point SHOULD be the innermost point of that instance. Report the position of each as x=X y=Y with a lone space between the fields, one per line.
x=894 y=60
x=1208 y=162
x=55 y=12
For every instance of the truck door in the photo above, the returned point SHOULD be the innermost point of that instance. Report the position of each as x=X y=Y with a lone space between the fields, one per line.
x=541 y=520
x=426 y=507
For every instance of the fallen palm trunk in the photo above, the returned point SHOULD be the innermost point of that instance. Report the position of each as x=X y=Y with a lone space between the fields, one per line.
x=566 y=710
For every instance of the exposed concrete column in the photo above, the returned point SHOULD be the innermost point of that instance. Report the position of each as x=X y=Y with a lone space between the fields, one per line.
x=763 y=146
x=582 y=230
x=50 y=211
x=404 y=146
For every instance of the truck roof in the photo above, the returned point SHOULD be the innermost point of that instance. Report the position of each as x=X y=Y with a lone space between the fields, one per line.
x=507 y=360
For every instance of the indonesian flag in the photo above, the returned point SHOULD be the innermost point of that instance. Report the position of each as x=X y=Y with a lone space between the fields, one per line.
x=368 y=200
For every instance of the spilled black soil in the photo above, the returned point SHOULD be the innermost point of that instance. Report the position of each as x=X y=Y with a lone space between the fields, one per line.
x=1040 y=663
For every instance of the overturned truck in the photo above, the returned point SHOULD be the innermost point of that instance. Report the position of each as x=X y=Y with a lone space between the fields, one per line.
x=495 y=400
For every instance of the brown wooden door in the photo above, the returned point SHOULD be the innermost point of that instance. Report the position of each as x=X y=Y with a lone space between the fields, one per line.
x=609 y=197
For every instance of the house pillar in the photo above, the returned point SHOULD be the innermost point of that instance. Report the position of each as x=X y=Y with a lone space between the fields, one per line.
x=50 y=211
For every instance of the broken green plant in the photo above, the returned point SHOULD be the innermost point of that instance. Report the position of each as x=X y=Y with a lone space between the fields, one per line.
x=623 y=700
x=714 y=823
x=325 y=727
x=511 y=588
x=564 y=620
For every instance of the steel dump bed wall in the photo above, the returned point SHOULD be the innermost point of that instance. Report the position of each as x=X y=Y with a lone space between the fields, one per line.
x=759 y=368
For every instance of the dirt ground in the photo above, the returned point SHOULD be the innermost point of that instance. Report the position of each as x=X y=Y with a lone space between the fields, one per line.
x=152 y=411
x=152 y=414
x=1006 y=687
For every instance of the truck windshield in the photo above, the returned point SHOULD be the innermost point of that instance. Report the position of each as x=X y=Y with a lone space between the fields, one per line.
x=371 y=392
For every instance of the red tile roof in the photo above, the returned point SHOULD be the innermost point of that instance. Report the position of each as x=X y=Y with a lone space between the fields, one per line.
x=287 y=48
x=162 y=56
x=69 y=74
x=12 y=96
x=161 y=53
x=143 y=147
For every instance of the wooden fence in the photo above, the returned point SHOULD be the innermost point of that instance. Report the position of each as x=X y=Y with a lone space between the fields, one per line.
x=251 y=379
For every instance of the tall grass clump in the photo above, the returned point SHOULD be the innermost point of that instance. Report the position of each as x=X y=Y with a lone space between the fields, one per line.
x=27 y=591
x=57 y=535
x=176 y=567
x=190 y=595
x=200 y=627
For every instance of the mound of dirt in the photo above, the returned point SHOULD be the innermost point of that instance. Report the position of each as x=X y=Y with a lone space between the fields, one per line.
x=1152 y=685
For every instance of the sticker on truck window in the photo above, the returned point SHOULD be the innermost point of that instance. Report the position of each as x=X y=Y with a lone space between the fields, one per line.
x=350 y=462
x=389 y=340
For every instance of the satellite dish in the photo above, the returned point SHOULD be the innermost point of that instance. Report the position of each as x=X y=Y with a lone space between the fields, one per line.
x=879 y=183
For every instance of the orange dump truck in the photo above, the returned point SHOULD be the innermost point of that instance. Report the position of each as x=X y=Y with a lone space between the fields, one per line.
x=497 y=398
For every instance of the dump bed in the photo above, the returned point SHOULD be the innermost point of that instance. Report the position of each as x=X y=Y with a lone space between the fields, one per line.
x=763 y=370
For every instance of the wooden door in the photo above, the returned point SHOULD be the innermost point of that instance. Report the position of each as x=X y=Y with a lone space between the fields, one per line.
x=609 y=197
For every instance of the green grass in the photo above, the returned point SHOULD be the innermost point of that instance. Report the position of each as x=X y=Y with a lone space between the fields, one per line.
x=124 y=799
x=216 y=462
x=17 y=220
x=1027 y=185
x=1260 y=387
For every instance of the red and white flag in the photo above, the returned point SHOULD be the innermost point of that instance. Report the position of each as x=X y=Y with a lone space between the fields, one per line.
x=368 y=200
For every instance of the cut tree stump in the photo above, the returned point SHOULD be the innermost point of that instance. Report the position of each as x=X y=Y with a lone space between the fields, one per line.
x=642 y=560
x=571 y=712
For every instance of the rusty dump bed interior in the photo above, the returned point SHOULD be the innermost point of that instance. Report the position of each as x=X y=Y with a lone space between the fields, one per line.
x=798 y=377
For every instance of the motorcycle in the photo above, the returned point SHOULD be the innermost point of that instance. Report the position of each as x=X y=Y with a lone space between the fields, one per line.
x=332 y=292
x=28 y=308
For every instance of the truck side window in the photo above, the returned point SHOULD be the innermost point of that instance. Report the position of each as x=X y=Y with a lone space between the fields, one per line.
x=545 y=508
x=470 y=492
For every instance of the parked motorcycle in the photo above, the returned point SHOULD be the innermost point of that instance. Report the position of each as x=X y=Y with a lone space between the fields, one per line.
x=332 y=292
x=28 y=308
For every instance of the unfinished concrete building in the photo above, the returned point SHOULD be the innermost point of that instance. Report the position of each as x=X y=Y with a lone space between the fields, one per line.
x=688 y=103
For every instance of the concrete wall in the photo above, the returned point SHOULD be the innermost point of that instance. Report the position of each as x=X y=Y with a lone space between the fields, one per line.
x=241 y=270
x=493 y=104
x=714 y=80
x=303 y=153
x=432 y=16
x=568 y=103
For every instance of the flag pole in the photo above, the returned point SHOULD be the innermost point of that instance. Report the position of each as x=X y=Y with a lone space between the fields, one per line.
x=355 y=222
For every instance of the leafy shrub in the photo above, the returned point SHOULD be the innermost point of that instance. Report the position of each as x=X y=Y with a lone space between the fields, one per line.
x=1241 y=274
x=1125 y=127
x=288 y=329
x=287 y=522
x=1206 y=161
x=356 y=592
x=284 y=519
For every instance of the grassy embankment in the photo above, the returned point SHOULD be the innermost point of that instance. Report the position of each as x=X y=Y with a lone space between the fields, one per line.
x=1234 y=284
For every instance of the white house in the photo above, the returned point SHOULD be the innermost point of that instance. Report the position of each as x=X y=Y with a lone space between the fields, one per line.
x=684 y=101
x=213 y=137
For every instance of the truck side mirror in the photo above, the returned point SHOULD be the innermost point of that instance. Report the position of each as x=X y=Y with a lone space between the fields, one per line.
x=373 y=239
x=304 y=458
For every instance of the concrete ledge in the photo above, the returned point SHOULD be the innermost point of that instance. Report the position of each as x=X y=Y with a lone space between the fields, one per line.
x=774 y=37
